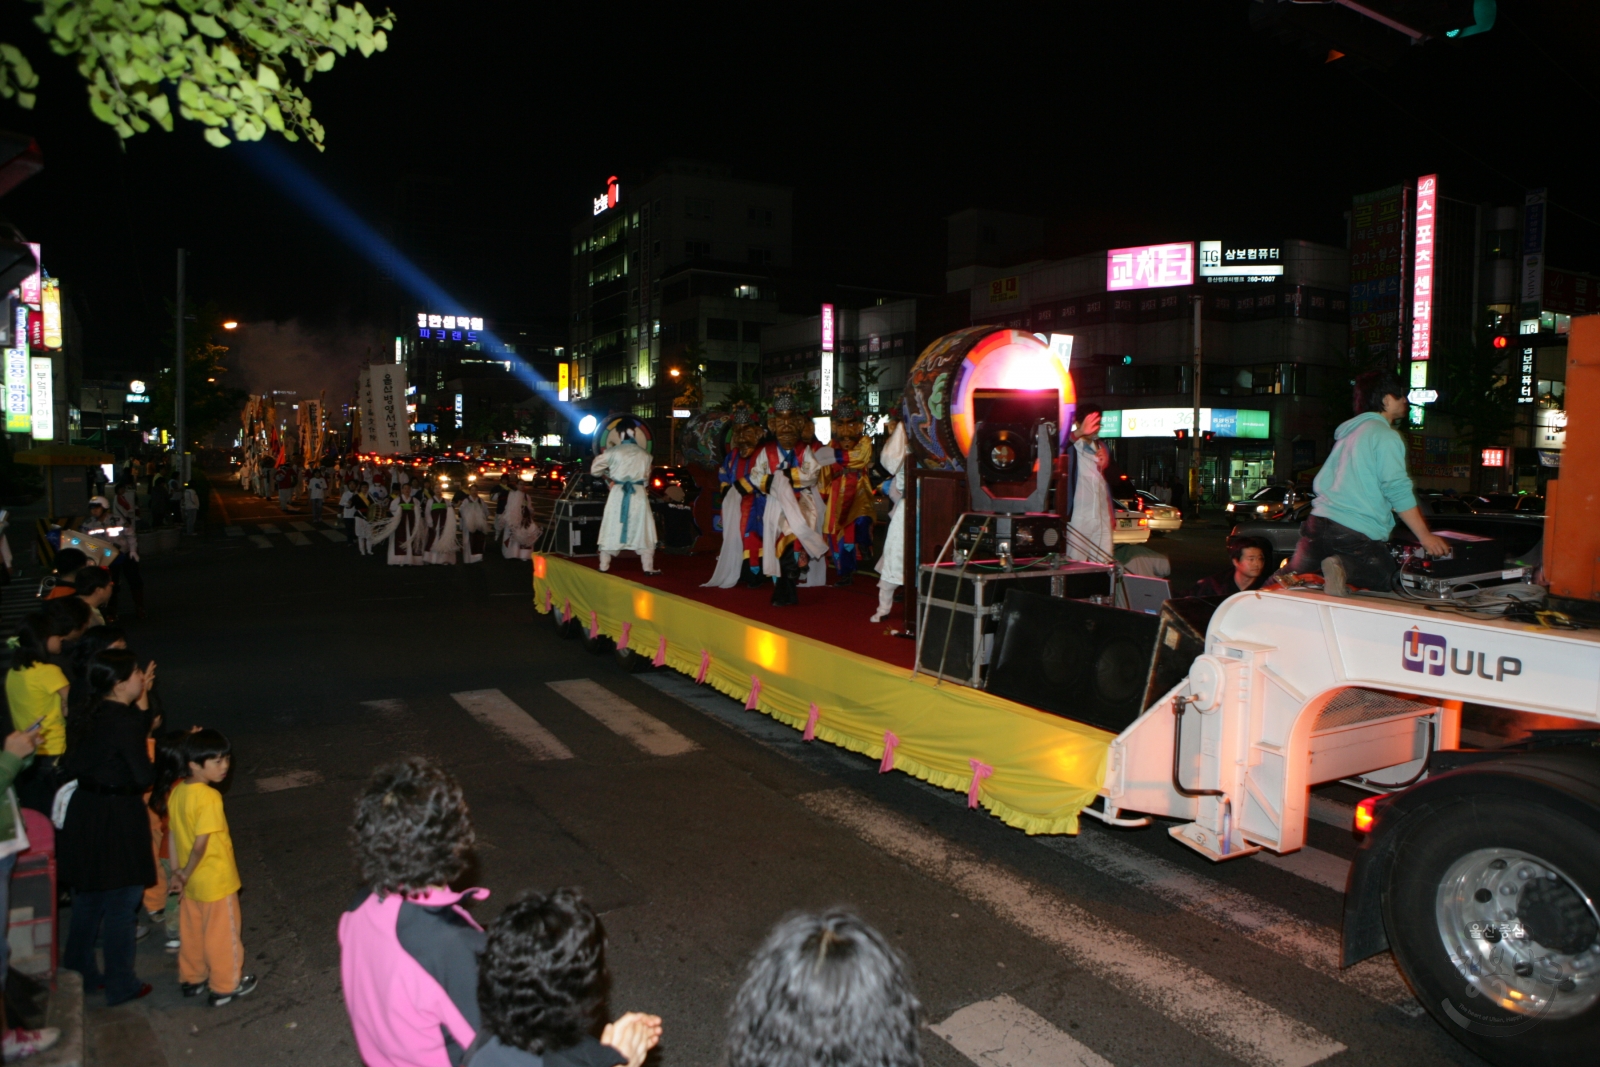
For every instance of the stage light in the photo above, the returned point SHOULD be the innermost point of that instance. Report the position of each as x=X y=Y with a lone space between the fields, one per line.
x=1013 y=360
x=587 y=424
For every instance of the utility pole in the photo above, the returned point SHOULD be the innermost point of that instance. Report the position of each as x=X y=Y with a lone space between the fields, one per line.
x=180 y=398
x=1198 y=301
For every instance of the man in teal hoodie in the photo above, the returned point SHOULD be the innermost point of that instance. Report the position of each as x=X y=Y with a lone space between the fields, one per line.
x=1360 y=489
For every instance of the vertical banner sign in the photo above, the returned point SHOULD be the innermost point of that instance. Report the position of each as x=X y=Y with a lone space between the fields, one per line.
x=50 y=312
x=399 y=350
x=389 y=396
x=1525 y=378
x=459 y=410
x=826 y=391
x=1422 y=269
x=42 y=373
x=17 y=384
x=1533 y=223
x=564 y=382
x=31 y=284
x=369 y=414
x=1376 y=258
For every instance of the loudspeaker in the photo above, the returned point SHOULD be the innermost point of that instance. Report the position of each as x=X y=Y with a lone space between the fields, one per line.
x=577 y=525
x=1099 y=665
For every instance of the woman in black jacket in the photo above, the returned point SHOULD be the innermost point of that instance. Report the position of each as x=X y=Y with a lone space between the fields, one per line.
x=104 y=848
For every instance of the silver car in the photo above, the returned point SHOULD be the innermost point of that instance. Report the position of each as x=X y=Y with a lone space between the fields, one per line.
x=1274 y=513
x=1164 y=518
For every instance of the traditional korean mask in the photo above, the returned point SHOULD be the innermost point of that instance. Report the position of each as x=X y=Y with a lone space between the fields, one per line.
x=786 y=426
x=747 y=438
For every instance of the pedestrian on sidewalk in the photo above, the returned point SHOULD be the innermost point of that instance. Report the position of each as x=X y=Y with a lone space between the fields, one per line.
x=17 y=1044
x=37 y=691
x=408 y=951
x=104 y=846
x=191 y=508
x=210 y=951
x=316 y=489
x=94 y=587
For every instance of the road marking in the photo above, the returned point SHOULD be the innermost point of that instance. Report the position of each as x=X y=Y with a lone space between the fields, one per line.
x=1234 y=1021
x=292 y=780
x=333 y=524
x=335 y=535
x=500 y=713
x=268 y=528
x=233 y=531
x=1312 y=864
x=388 y=709
x=260 y=541
x=299 y=539
x=303 y=527
x=1004 y=1033
x=1333 y=813
x=1273 y=928
x=646 y=732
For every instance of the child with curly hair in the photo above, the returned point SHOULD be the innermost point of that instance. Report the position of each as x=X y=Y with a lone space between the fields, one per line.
x=408 y=950
x=541 y=989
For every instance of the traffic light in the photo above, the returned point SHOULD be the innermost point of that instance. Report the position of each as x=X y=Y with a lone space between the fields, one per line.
x=1208 y=436
x=1182 y=435
x=1501 y=341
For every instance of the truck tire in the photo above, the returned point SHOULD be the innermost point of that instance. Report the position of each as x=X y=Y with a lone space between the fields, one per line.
x=633 y=662
x=1491 y=911
x=566 y=628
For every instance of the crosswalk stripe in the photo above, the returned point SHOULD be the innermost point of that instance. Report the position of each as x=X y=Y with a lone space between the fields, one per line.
x=646 y=732
x=303 y=527
x=261 y=540
x=333 y=524
x=299 y=539
x=500 y=713
x=1004 y=1033
x=1312 y=864
x=1239 y=1024
x=267 y=528
x=334 y=535
x=233 y=531
x=1273 y=928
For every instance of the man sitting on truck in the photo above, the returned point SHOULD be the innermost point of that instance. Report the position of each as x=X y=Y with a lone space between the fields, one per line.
x=1360 y=489
x=1249 y=570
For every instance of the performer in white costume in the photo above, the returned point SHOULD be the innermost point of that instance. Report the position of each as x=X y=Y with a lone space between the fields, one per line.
x=405 y=535
x=474 y=527
x=892 y=564
x=783 y=472
x=519 y=534
x=627 y=524
x=443 y=541
x=1089 y=512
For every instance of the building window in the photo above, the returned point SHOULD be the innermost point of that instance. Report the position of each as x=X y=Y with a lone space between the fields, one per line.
x=760 y=256
x=697 y=249
x=722 y=330
x=746 y=292
x=761 y=217
x=751 y=331
x=696 y=208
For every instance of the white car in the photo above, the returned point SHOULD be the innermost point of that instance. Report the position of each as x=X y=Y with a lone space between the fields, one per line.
x=1164 y=518
x=1132 y=528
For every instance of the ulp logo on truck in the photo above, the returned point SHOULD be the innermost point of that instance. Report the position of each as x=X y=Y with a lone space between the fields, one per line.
x=1428 y=654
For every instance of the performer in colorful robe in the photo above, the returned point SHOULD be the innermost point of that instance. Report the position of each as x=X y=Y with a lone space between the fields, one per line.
x=892 y=564
x=443 y=542
x=847 y=490
x=783 y=470
x=739 y=562
x=404 y=537
x=474 y=527
x=627 y=524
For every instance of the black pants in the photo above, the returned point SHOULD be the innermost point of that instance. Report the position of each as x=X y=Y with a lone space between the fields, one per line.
x=125 y=572
x=350 y=531
x=1367 y=563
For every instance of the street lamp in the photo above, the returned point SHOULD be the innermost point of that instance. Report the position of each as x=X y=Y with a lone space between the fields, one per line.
x=230 y=325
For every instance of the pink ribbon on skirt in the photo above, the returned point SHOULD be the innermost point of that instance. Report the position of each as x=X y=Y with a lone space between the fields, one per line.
x=752 y=701
x=705 y=665
x=980 y=771
x=594 y=626
x=661 y=653
x=622 y=639
x=889 y=743
x=811 y=724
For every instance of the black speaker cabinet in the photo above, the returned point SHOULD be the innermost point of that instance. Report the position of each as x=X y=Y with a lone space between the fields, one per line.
x=577 y=525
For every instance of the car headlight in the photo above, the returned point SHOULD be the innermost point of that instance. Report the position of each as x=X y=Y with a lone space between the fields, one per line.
x=1263 y=507
x=527 y=476
x=445 y=478
x=472 y=477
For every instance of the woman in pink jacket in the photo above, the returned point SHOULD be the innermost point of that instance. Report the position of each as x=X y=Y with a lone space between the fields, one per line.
x=408 y=950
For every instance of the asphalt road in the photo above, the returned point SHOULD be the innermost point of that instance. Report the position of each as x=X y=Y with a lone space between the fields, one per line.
x=1114 y=947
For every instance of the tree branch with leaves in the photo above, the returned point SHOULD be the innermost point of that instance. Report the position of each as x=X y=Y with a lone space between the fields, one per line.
x=222 y=63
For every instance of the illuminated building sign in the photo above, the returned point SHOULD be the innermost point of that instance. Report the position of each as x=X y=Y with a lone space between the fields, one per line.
x=1494 y=457
x=1422 y=396
x=1525 y=378
x=50 y=312
x=458 y=411
x=1161 y=422
x=135 y=398
x=1533 y=220
x=446 y=328
x=41 y=370
x=826 y=398
x=608 y=200
x=17 y=420
x=563 y=382
x=1150 y=266
x=1422 y=269
x=30 y=288
x=1225 y=260
x=399 y=350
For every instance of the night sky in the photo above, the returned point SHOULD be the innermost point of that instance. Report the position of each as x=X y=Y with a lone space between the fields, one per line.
x=478 y=138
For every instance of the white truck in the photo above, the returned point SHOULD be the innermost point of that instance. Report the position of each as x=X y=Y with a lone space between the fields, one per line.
x=1480 y=870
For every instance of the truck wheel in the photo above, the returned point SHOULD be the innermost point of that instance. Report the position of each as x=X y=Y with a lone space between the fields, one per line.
x=1491 y=910
x=598 y=646
x=568 y=628
x=633 y=662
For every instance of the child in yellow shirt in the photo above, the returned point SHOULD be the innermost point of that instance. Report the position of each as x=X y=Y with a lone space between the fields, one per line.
x=211 y=951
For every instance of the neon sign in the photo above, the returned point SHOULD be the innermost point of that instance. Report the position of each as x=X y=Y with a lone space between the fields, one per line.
x=1243 y=263
x=1150 y=266
x=1422 y=269
x=448 y=322
x=608 y=199
x=826 y=400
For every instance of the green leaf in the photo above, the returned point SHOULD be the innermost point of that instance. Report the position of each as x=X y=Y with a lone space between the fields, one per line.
x=325 y=61
x=267 y=78
x=208 y=26
x=26 y=100
x=217 y=138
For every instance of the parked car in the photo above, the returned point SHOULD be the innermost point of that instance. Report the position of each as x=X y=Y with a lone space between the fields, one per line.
x=1163 y=517
x=1274 y=513
x=1529 y=505
x=1132 y=527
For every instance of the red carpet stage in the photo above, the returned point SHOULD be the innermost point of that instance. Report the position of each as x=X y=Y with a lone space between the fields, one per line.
x=821 y=667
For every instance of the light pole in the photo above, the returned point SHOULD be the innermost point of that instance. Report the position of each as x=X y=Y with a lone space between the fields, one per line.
x=180 y=399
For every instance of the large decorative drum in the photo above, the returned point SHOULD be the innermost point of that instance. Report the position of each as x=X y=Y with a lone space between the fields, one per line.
x=704 y=439
x=938 y=396
x=611 y=428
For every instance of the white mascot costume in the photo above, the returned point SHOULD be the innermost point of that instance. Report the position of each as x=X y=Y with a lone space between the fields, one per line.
x=627 y=524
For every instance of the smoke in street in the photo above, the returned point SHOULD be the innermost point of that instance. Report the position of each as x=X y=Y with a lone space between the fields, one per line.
x=268 y=356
